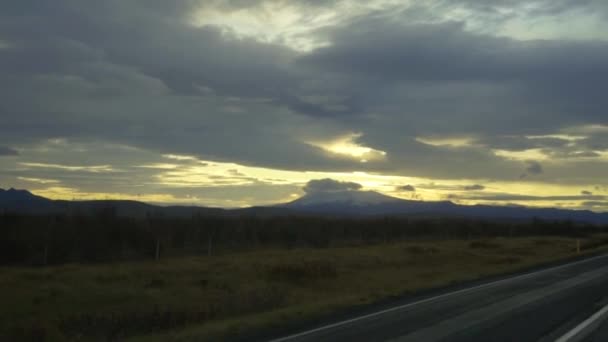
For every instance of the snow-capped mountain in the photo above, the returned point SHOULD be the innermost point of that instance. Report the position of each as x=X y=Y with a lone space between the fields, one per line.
x=355 y=202
x=354 y=198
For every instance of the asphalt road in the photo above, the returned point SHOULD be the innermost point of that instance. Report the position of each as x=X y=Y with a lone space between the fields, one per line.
x=600 y=334
x=562 y=303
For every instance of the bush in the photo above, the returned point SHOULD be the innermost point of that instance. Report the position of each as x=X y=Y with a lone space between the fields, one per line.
x=306 y=270
x=594 y=243
x=484 y=244
x=35 y=330
x=510 y=260
x=421 y=250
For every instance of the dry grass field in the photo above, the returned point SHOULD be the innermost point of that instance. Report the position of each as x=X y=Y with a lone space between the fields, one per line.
x=213 y=298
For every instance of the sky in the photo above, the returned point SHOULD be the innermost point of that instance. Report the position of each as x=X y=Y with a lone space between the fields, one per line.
x=235 y=103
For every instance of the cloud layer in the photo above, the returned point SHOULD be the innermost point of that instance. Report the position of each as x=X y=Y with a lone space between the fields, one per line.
x=456 y=91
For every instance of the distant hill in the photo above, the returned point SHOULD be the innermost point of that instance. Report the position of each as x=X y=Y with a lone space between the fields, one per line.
x=348 y=203
x=23 y=201
x=13 y=195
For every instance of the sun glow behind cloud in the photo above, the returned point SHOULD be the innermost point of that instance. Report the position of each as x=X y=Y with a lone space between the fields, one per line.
x=531 y=154
x=290 y=23
x=195 y=177
x=38 y=180
x=447 y=141
x=67 y=193
x=270 y=22
x=296 y=24
x=349 y=147
x=187 y=179
x=92 y=168
x=191 y=173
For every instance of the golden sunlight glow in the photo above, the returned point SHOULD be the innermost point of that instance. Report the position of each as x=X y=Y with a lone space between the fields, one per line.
x=558 y=136
x=269 y=22
x=67 y=193
x=92 y=168
x=38 y=180
x=290 y=23
x=347 y=146
x=447 y=142
x=163 y=166
x=73 y=194
x=214 y=174
x=178 y=157
x=208 y=174
x=186 y=175
x=531 y=154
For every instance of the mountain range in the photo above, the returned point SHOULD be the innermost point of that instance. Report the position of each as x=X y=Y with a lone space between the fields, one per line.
x=350 y=203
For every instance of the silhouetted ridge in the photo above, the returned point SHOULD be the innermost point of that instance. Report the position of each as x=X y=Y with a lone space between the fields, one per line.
x=349 y=203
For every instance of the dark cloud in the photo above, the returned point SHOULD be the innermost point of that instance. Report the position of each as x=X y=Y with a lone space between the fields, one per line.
x=533 y=168
x=164 y=50
x=531 y=8
x=474 y=187
x=7 y=151
x=407 y=188
x=229 y=98
x=330 y=185
x=434 y=52
x=531 y=83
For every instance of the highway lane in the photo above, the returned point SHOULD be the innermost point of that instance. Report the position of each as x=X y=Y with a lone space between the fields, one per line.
x=539 y=306
x=599 y=334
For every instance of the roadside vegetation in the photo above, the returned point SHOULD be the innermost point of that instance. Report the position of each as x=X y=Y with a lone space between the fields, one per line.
x=191 y=294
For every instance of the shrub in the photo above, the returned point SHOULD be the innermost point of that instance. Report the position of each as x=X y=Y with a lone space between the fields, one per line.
x=484 y=244
x=155 y=283
x=35 y=330
x=543 y=242
x=421 y=250
x=510 y=260
x=303 y=271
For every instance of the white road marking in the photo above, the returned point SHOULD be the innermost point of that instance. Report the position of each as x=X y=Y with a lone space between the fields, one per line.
x=572 y=334
x=440 y=330
x=431 y=299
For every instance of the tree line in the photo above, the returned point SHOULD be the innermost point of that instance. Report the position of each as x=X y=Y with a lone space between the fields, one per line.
x=105 y=237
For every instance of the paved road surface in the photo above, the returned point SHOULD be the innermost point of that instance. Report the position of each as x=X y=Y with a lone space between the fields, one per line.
x=547 y=305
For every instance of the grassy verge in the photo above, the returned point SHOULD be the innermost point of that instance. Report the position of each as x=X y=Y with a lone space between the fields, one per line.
x=212 y=298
